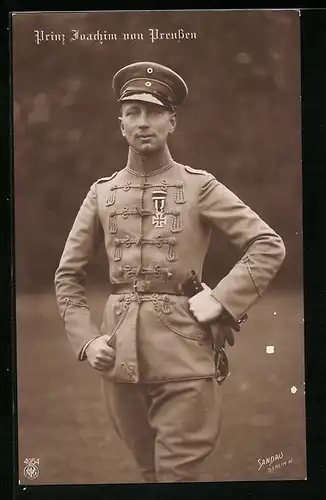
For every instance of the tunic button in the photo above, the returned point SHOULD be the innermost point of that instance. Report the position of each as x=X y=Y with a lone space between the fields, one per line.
x=200 y=338
x=149 y=70
x=148 y=84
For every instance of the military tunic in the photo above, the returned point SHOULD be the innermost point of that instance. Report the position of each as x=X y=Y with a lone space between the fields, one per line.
x=155 y=337
x=160 y=392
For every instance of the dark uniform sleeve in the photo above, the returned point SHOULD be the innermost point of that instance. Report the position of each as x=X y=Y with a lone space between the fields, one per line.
x=263 y=249
x=70 y=277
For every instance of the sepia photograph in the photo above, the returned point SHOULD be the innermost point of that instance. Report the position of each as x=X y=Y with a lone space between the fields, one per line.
x=158 y=246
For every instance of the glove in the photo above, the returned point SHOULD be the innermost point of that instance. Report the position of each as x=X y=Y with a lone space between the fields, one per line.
x=221 y=333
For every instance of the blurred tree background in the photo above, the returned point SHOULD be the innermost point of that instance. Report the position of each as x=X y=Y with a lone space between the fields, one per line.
x=241 y=122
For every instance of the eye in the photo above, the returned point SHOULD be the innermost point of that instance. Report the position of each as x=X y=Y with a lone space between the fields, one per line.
x=157 y=112
x=131 y=111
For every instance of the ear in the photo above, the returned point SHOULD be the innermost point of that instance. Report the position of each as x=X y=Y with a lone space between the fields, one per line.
x=122 y=127
x=173 y=123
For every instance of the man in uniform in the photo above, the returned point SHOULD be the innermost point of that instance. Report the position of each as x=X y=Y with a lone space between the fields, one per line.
x=154 y=349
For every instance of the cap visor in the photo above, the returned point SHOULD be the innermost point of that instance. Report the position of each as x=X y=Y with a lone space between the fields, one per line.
x=143 y=98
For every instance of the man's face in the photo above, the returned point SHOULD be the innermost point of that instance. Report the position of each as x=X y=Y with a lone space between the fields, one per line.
x=146 y=126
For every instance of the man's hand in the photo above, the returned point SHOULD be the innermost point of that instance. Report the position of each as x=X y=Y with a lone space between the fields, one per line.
x=204 y=307
x=99 y=355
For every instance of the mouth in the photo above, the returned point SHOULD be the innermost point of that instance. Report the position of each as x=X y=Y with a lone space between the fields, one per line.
x=145 y=136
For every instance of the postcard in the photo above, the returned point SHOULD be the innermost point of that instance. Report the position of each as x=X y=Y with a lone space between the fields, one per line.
x=158 y=246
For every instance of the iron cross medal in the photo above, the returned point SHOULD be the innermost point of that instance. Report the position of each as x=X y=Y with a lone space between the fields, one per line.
x=159 y=218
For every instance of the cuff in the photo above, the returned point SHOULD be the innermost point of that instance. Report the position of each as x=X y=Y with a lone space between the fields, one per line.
x=227 y=318
x=82 y=355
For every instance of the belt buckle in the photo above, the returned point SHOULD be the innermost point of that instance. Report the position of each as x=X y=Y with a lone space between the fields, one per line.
x=141 y=286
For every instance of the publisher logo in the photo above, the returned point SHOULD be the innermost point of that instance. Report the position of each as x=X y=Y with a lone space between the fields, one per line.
x=31 y=470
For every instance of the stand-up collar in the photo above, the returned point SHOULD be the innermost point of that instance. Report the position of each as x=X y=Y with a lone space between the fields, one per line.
x=164 y=161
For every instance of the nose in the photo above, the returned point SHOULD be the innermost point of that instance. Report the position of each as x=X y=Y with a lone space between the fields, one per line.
x=143 y=120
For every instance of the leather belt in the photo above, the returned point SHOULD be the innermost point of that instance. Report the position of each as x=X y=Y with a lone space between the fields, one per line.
x=147 y=286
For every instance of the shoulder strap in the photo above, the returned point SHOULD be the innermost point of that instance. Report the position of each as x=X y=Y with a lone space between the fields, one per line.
x=105 y=179
x=195 y=171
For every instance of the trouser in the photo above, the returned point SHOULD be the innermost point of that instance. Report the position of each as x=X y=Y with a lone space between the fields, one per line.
x=170 y=428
